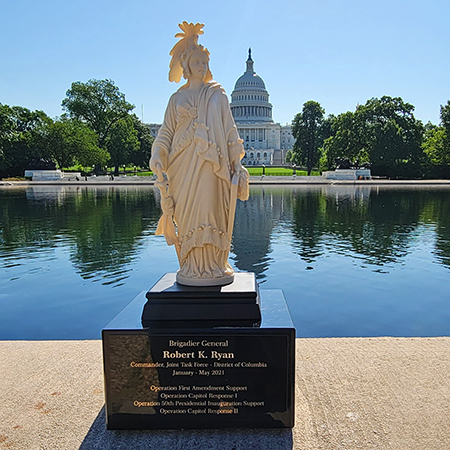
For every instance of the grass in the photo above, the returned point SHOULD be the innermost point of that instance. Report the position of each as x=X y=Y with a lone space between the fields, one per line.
x=255 y=172
x=128 y=169
x=278 y=172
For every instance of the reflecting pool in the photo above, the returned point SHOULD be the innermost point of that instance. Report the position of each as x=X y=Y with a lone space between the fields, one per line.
x=352 y=261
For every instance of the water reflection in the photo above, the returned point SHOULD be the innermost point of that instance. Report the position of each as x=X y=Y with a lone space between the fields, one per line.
x=307 y=224
x=254 y=225
x=437 y=211
x=72 y=257
x=102 y=227
x=105 y=224
x=105 y=228
x=377 y=226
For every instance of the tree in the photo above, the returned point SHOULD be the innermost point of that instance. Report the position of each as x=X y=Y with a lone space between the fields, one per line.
x=445 y=117
x=99 y=103
x=445 y=121
x=141 y=157
x=306 y=130
x=383 y=132
x=88 y=153
x=436 y=144
x=7 y=130
x=326 y=130
x=392 y=136
x=20 y=138
x=122 y=142
x=70 y=141
x=289 y=156
x=347 y=140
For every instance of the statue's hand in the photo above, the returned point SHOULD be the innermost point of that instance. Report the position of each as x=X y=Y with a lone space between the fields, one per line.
x=157 y=168
x=243 y=177
x=240 y=170
x=167 y=205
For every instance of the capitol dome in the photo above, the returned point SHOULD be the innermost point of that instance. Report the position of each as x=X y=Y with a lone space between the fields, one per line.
x=250 y=99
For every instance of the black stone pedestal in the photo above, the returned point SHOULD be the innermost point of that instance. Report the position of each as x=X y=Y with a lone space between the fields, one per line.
x=171 y=305
x=174 y=378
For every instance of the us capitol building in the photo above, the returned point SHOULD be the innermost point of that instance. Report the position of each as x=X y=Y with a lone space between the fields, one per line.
x=265 y=141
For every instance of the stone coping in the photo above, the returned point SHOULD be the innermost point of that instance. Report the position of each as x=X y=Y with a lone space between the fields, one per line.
x=260 y=180
x=351 y=393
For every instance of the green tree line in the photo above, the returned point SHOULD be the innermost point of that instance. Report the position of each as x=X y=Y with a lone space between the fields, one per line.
x=97 y=129
x=382 y=132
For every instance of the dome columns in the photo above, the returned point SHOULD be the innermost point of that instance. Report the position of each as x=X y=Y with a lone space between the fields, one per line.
x=245 y=112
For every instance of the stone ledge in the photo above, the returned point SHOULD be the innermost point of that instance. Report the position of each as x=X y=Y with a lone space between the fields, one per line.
x=351 y=393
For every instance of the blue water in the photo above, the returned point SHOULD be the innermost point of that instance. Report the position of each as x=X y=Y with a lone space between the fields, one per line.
x=351 y=261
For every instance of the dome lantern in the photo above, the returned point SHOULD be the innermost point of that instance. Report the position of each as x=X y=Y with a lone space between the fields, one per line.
x=250 y=62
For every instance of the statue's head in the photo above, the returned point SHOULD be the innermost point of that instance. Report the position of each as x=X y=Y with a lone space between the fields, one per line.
x=195 y=59
x=187 y=50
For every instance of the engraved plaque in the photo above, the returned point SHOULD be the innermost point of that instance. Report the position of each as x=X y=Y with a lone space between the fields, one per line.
x=209 y=378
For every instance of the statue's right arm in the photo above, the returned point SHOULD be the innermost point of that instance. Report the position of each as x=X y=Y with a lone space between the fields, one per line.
x=161 y=147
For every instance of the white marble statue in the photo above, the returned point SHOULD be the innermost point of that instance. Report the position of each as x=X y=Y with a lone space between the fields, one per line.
x=197 y=159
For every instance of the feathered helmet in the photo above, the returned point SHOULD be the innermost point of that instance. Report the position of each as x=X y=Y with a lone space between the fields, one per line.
x=183 y=49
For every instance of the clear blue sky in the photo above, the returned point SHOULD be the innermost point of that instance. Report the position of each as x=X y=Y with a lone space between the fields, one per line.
x=337 y=52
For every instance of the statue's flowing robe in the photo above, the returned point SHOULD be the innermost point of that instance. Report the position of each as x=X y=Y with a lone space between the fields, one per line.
x=197 y=147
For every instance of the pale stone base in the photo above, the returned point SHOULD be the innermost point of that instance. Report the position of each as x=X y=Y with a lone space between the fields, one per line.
x=348 y=174
x=222 y=281
x=44 y=175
